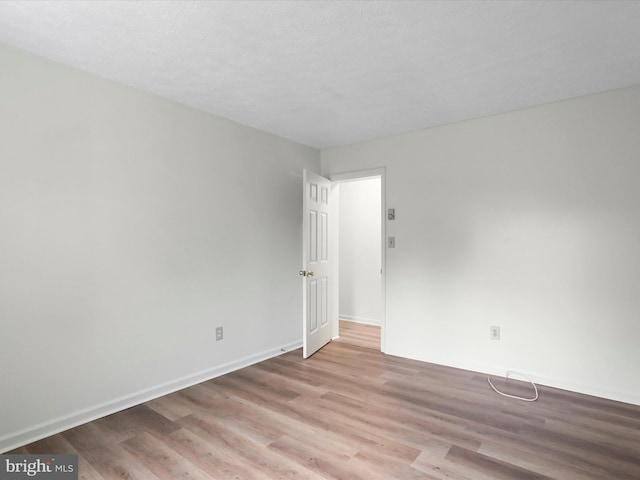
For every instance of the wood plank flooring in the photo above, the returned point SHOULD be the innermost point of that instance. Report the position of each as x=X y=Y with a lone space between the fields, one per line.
x=361 y=335
x=350 y=412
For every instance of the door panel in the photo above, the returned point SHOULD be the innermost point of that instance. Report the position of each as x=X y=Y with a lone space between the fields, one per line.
x=317 y=263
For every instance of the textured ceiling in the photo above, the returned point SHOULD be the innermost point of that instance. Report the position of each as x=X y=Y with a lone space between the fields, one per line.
x=329 y=73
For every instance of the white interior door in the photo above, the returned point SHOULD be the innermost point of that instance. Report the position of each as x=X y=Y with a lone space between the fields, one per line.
x=317 y=264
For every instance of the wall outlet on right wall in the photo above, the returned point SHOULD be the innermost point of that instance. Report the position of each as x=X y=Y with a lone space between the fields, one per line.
x=494 y=332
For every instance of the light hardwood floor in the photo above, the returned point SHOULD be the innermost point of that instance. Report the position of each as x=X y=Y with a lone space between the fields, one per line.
x=353 y=413
x=360 y=335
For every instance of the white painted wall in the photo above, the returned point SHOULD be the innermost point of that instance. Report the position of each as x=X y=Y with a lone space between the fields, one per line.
x=360 y=255
x=130 y=227
x=529 y=221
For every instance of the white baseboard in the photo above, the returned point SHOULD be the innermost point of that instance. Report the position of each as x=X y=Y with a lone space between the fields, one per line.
x=354 y=319
x=594 y=391
x=60 y=424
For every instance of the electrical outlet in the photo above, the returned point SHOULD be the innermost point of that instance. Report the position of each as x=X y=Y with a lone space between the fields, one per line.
x=219 y=334
x=494 y=332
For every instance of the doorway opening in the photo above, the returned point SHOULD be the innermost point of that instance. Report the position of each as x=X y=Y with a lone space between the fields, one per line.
x=361 y=305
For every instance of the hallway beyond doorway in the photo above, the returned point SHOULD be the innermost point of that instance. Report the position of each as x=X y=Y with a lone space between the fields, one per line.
x=359 y=334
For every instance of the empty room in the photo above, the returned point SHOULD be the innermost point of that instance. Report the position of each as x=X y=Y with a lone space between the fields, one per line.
x=320 y=239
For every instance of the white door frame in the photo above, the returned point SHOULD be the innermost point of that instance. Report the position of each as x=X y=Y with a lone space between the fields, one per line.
x=361 y=175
